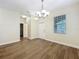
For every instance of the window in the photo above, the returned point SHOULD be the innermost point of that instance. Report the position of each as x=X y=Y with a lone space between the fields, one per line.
x=60 y=24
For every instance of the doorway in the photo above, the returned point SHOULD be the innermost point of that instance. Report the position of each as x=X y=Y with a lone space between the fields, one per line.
x=41 y=30
x=21 y=30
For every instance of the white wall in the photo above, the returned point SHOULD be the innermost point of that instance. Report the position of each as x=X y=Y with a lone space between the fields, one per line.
x=71 y=37
x=9 y=26
x=34 y=28
x=41 y=28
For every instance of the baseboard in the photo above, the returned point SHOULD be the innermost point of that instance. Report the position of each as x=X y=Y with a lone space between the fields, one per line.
x=9 y=42
x=66 y=44
x=32 y=38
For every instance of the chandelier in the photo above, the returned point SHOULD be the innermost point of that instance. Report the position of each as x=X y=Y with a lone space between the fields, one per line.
x=43 y=13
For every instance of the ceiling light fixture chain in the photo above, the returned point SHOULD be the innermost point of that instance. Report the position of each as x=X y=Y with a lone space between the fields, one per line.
x=42 y=4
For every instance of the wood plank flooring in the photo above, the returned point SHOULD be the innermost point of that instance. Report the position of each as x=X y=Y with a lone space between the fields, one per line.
x=38 y=49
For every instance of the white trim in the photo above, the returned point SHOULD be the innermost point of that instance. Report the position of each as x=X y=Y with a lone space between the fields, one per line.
x=66 y=44
x=10 y=42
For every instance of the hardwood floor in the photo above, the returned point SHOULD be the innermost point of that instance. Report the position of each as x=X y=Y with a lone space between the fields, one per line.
x=38 y=49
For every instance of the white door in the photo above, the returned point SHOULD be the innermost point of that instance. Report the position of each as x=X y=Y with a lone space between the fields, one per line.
x=41 y=30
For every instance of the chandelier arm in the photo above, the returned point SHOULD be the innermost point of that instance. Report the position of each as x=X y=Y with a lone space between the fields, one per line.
x=43 y=13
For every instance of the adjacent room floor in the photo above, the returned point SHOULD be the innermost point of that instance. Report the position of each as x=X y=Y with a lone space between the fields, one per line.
x=38 y=49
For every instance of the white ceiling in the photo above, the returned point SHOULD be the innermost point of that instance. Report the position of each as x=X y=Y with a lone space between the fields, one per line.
x=23 y=5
